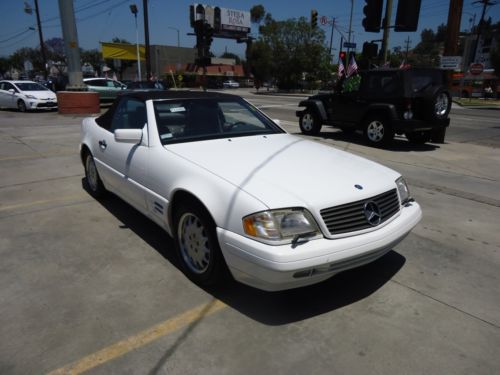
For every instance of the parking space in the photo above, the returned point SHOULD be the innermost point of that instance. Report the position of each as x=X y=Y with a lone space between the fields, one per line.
x=94 y=286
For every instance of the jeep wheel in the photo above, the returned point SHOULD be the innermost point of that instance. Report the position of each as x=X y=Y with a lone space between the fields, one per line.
x=438 y=135
x=438 y=103
x=419 y=138
x=309 y=123
x=378 y=131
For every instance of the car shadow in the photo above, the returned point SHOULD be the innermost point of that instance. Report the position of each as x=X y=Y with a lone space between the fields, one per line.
x=270 y=308
x=399 y=144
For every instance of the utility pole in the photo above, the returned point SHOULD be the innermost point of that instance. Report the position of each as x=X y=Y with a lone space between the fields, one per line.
x=146 y=39
x=331 y=38
x=350 y=27
x=387 y=23
x=407 y=42
x=453 y=27
x=70 y=36
x=42 y=45
x=485 y=3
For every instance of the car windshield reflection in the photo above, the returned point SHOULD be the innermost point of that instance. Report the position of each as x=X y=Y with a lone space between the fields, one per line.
x=201 y=119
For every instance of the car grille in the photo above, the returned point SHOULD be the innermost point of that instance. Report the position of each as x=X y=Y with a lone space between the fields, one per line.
x=351 y=217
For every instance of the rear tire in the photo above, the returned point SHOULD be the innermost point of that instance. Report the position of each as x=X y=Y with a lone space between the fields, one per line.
x=419 y=138
x=378 y=131
x=438 y=135
x=309 y=123
x=94 y=182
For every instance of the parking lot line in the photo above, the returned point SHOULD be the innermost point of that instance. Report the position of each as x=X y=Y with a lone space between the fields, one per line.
x=36 y=156
x=41 y=201
x=141 y=339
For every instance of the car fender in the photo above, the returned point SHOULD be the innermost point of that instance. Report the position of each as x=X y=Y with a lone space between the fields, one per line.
x=315 y=105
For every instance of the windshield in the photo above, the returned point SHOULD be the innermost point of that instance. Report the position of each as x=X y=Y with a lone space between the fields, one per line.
x=31 y=86
x=189 y=120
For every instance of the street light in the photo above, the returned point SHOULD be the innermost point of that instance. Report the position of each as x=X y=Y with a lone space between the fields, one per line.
x=178 y=40
x=134 y=10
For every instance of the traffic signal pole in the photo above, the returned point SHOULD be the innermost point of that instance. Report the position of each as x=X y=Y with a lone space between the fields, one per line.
x=387 y=24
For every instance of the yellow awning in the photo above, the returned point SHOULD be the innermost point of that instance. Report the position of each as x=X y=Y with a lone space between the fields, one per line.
x=121 y=51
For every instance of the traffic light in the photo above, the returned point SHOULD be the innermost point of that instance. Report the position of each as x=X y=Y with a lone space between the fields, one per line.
x=314 y=18
x=407 y=15
x=342 y=55
x=370 y=50
x=373 y=15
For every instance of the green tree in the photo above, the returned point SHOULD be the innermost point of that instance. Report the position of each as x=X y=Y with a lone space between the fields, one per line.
x=257 y=13
x=495 y=57
x=295 y=48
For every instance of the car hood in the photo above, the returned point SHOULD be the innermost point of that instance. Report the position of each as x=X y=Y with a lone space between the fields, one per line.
x=41 y=94
x=283 y=170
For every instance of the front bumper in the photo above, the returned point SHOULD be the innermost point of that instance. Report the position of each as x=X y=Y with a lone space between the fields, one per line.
x=283 y=267
x=35 y=104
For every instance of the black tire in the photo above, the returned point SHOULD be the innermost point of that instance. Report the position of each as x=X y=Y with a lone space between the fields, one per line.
x=419 y=137
x=378 y=130
x=197 y=246
x=438 y=135
x=92 y=179
x=309 y=123
x=21 y=105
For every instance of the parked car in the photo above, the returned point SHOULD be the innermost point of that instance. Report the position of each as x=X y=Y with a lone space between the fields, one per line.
x=239 y=194
x=230 y=84
x=107 y=88
x=146 y=85
x=382 y=103
x=26 y=95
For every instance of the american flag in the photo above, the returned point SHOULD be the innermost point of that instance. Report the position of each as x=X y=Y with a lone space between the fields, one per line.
x=341 y=70
x=352 y=67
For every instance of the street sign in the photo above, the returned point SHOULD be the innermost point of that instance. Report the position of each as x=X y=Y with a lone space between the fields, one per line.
x=323 y=20
x=349 y=45
x=451 y=62
x=476 y=68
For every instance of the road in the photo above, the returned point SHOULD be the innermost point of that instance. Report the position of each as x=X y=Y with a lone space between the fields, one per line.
x=92 y=286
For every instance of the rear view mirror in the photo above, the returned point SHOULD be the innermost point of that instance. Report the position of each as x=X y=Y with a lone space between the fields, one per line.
x=128 y=135
x=12 y=91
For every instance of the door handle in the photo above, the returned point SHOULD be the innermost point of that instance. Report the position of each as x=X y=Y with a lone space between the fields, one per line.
x=103 y=145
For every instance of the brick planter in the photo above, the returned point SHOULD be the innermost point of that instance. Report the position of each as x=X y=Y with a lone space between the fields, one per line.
x=78 y=102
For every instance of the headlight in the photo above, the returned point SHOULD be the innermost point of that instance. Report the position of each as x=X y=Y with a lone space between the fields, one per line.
x=30 y=96
x=403 y=191
x=283 y=225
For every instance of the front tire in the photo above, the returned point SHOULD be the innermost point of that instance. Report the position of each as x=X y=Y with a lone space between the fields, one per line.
x=309 y=123
x=21 y=105
x=197 y=245
x=94 y=182
x=378 y=131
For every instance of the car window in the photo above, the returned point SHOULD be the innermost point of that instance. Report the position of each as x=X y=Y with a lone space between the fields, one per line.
x=116 y=84
x=8 y=86
x=97 y=82
x=200 y=119
x=130 y=114
x=31 y=86
x=382 y=84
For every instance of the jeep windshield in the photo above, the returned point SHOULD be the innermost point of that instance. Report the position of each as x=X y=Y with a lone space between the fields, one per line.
x=187 y=120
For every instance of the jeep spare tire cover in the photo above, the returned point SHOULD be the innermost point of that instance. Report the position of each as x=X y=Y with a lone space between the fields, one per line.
x=437 y=103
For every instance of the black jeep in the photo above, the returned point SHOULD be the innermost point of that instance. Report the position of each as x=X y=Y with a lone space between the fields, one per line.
x=384 y=102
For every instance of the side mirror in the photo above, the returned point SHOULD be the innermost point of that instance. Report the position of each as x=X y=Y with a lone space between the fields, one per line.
x=128 y=135
x=12 y=91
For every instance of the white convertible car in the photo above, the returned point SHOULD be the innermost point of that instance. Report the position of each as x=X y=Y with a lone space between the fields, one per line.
x=241 y=196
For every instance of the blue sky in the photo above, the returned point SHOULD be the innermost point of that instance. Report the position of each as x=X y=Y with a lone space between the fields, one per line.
x=101 y=20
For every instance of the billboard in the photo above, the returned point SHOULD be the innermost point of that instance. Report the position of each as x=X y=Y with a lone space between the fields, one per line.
x=227 y=23
x=234 y=20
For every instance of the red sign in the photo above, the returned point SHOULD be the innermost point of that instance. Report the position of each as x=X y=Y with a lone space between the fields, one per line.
x=476 y=68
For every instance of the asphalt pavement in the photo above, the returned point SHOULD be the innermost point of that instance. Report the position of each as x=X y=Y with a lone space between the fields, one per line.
x=93 y=286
